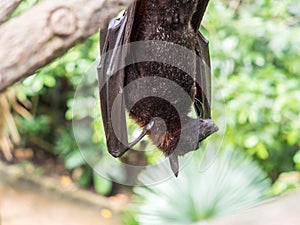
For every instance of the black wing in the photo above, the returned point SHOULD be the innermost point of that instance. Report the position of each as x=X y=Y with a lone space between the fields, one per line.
x=111 y=80
x=198 y=15
x=203 y=74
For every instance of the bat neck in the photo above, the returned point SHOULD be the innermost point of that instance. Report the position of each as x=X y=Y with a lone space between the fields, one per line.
x=170 y=12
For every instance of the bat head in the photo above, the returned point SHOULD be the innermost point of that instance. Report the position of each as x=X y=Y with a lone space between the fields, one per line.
x=192 y=134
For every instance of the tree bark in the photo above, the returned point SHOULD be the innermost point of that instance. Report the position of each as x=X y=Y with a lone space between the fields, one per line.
x=47 y=31
x=7 y=7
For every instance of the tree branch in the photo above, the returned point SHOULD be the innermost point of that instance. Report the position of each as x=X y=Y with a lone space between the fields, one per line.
x=7 y=7
x=47 y=31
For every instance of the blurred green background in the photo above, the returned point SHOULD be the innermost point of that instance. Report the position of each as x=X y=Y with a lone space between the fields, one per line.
x=255 y=55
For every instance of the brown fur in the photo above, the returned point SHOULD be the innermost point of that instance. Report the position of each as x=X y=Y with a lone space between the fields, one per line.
x=165 y=20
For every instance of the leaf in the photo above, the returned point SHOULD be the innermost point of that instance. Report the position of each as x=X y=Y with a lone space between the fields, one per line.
x=297 y=158
x=85 y=179
x=233 y=182
x=102 y=185
x=49 y=81
x=262 y=151
x=293 y=9
x=73 y=160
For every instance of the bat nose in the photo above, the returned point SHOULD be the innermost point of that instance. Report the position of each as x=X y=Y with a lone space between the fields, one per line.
x=207 y=127
x=213 y=127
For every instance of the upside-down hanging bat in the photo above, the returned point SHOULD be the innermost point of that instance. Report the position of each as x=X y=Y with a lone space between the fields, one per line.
x=163 y=22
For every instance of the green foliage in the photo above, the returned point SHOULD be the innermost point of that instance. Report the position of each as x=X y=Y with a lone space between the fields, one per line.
x=255 y=57
x=36 y=125
x=55 y=85
x=102 y=185
x=85 y=178
x=287 y=182
x=297 y=159
x=66 y=147
x=129 y=219
x=232 y=182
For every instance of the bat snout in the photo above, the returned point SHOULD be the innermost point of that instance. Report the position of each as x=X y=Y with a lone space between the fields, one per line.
x=194 y=132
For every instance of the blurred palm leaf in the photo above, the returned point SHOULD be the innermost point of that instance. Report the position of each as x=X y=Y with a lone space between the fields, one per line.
x=231 y=183
x=9 y=134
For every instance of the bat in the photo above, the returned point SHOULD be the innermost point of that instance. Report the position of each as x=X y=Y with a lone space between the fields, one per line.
x=172 y=131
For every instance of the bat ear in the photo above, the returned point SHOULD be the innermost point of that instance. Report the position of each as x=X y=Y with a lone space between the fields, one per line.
x=173 y=159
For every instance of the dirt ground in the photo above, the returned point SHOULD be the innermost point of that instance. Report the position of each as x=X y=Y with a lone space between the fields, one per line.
x=26 y=200
x=32 y=208
x=282 y=210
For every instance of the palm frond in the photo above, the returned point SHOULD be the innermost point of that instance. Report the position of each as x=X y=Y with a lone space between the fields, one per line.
x=9 y=134
x=231 y=183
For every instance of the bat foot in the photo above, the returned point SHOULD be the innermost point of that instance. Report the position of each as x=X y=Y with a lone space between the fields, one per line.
x=124 y=148
x=173 y=159
x=118 y=153
x=142 y=135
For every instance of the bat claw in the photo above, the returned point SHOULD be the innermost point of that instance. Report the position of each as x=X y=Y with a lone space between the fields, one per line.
x=173 y=159
x=150 y=125
x=142 y=135
x=199 y=107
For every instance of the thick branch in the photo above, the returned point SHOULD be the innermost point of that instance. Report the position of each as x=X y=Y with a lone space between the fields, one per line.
x=48 y=30
x=7 y=7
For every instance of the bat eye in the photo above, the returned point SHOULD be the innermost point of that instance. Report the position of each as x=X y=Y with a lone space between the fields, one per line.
x=175 y=18
x=197 y=48
x=183 y=1
x=199 y=107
